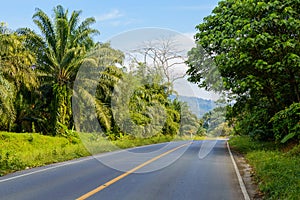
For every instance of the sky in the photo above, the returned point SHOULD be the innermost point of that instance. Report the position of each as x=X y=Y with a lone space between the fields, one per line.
x=114 y=17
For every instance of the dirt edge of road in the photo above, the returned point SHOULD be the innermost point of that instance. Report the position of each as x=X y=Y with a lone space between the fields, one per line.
x=247 y=174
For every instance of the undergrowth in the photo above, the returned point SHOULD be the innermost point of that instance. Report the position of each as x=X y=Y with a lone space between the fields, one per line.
x=277 y=171
x=20 y=151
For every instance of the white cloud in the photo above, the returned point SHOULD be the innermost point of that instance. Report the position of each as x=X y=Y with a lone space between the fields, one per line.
x=114 y=14
x=115 y=18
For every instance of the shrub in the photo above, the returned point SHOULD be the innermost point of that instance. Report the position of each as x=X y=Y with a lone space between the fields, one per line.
x=286 y=123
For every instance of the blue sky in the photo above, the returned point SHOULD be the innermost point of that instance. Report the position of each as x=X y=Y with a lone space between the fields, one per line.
x=115 y=16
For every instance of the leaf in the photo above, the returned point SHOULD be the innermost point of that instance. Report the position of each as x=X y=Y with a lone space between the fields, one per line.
x=287 y=137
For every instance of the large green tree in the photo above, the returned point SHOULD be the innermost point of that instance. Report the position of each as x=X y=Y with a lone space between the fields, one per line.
x=256 y=48
x=94 y=86
x=61 y=46
x=17 y=75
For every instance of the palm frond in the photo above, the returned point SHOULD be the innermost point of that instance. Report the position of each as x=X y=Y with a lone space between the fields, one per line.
x=104 y=114
x=46 y=26
x=62 y=33
x=74 y=21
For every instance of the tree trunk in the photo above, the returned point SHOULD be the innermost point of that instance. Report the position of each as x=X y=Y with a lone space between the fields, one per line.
x=62 y=109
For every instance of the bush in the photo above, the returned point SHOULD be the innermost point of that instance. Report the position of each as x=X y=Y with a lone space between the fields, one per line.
x=286 y=123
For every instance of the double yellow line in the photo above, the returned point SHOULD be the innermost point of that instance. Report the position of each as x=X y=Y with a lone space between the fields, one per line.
x=105 y=185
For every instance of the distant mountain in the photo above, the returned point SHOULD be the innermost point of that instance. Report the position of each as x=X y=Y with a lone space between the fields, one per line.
x=198 y=106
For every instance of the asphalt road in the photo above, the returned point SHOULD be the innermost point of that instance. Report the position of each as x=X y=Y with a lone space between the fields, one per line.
x=175 y=170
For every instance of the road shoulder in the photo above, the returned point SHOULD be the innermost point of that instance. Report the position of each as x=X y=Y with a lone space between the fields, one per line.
x=247 y=174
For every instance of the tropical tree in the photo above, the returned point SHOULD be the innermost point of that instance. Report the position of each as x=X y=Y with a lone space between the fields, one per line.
x=141 y=106
x=62 y=46
x=7 y=110
x=256 y=48
x=17 y=75
x=95 y=84
x=203 y=71
x=188 y=121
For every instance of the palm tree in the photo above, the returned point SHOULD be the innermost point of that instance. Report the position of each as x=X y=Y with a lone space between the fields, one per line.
x=94 y=86
x=7 y=110
x=16 y=74
x=16 y=59
x=62 y=46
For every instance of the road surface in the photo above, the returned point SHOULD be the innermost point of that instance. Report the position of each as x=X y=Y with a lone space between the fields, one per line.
x=177 y=171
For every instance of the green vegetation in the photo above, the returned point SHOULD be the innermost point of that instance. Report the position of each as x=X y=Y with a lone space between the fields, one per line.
x=19 y=151
x=247 y=49
x=250 y=50
x=276 y=169
x=16 y=78
x=51 y=83
x=45 y=77
x=61 y=50
x=26 y=150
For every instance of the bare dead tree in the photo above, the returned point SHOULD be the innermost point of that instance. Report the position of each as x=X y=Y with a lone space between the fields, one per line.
x=163 y=56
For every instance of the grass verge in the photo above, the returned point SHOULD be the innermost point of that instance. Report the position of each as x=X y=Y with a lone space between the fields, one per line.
x=277 y=172
x=26 y=150
x=19 y=151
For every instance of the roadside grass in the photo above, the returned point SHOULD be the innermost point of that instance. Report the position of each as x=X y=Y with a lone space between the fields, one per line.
x=25 y=150
x=20 y=151
x=277 y=171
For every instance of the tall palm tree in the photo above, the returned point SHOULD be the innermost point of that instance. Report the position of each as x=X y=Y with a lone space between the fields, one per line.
x=62 y=46
x=94 y=86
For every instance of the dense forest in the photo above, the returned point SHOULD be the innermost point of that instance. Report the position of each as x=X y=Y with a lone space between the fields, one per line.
x=53 y=81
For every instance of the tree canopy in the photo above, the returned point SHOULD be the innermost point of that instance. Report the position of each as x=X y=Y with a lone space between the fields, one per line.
x=256 y=48
x=17 y=75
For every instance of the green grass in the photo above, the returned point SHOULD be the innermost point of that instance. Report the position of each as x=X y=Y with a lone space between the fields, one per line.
x=19 y=151
x=26 y=150
x=276 y=171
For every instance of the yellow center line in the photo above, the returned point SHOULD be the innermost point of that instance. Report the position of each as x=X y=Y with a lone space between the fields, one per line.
x=105 y=185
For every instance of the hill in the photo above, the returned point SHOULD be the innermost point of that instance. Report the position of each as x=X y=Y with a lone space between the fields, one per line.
x=197 y=105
